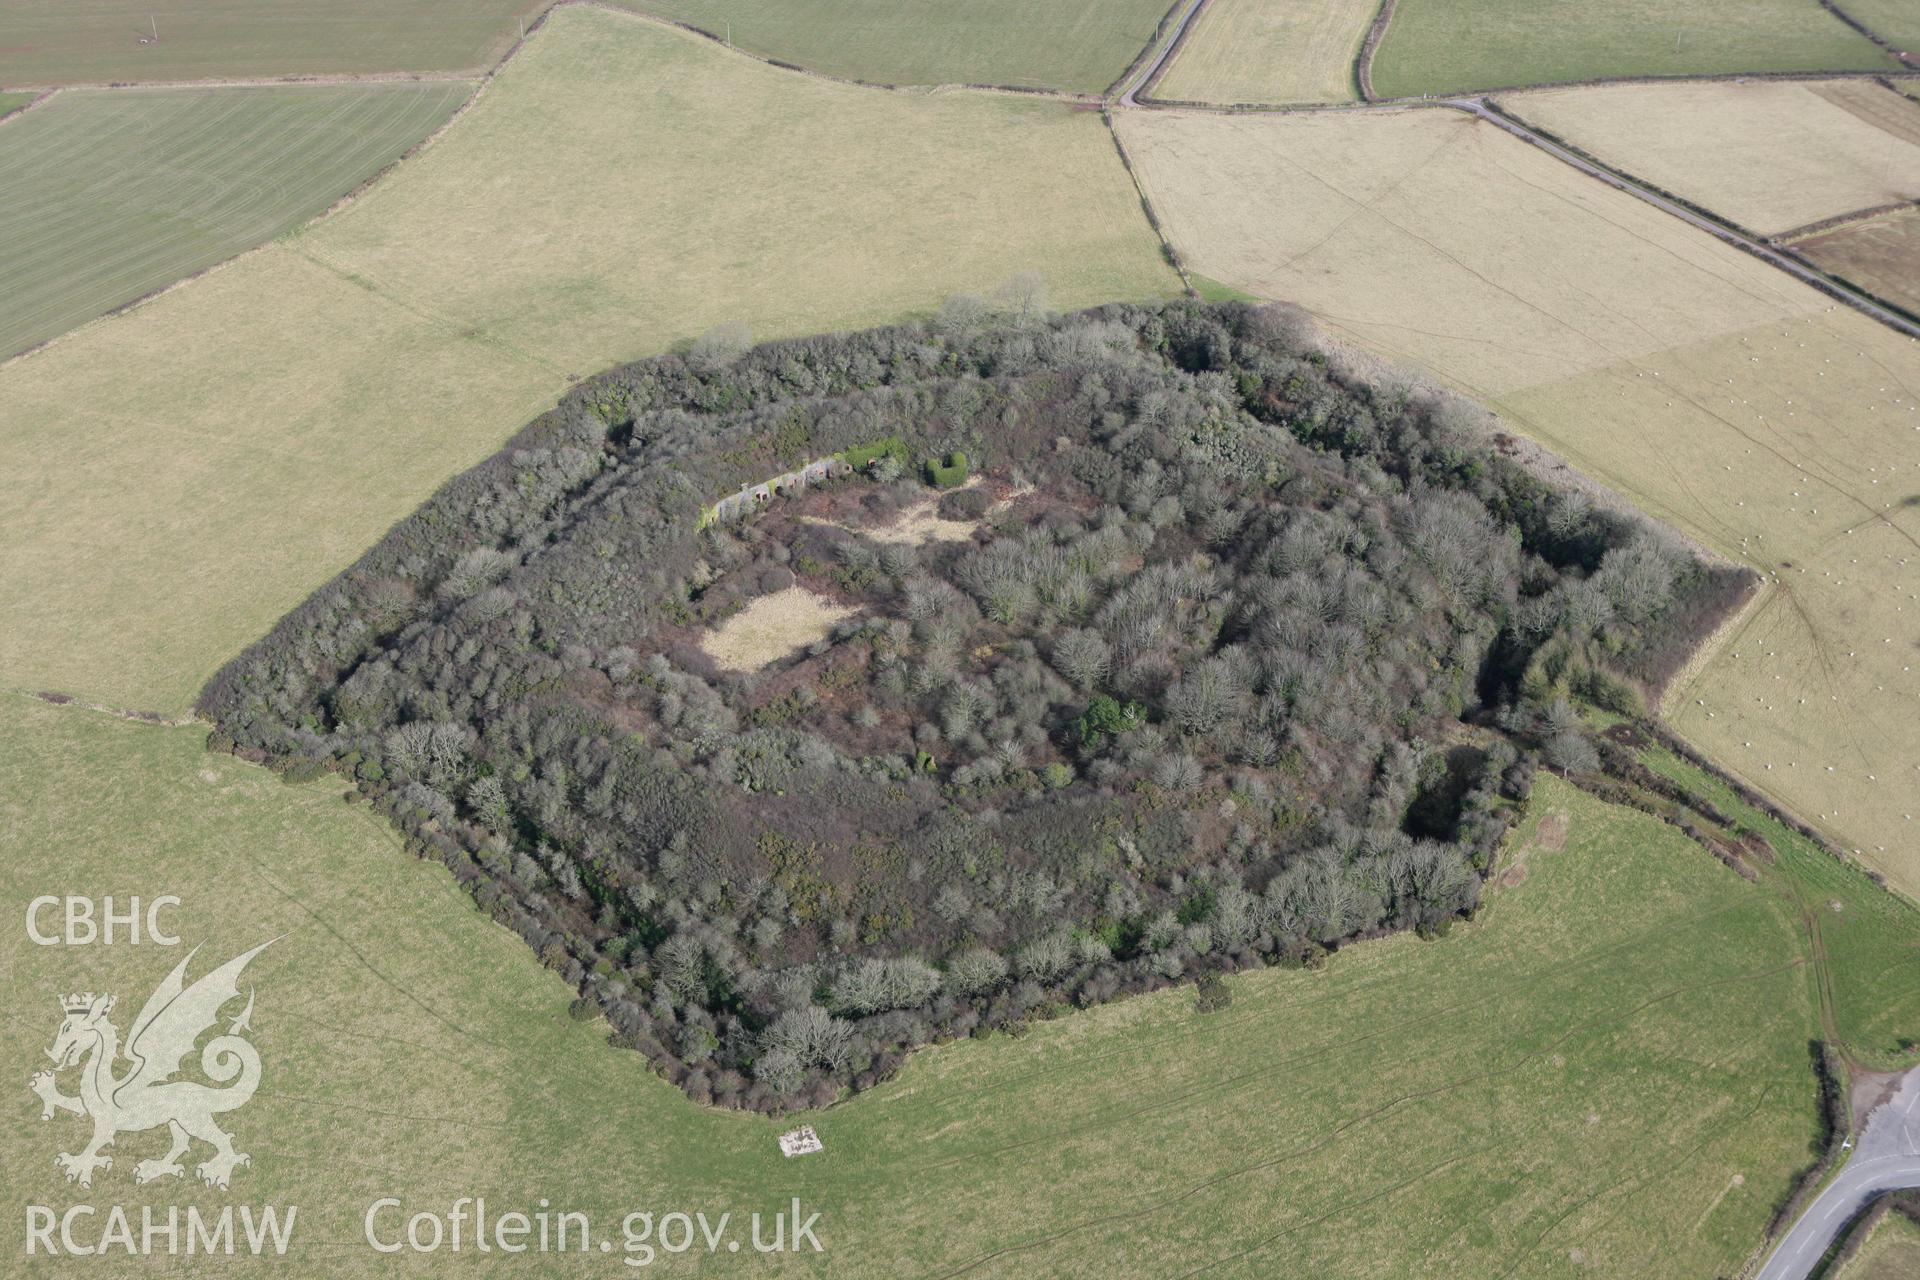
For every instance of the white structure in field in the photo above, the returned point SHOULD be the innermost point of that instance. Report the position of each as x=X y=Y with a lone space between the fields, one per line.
x=800 y=1142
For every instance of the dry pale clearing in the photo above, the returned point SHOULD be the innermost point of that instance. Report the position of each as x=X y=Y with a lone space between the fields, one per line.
x=1269 y=51
x=174 y=478
x=919 y=523
x=771 y=627
x=1715 y=391
x=1769 y=155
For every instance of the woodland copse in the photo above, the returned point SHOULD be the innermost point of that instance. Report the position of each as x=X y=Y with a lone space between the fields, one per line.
x=1245 y=656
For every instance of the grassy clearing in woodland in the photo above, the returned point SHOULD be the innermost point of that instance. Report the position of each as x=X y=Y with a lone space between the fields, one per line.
x=1080 y=46
x=1714 y=391
x=919 y=524
x=1452 y=46
x=324 y=384
x=771 y=627
x=1269 y=51
x=123 y=191
x=1768 y=155
x=111 y=41
x=1631 y=1021
x=1881 y=255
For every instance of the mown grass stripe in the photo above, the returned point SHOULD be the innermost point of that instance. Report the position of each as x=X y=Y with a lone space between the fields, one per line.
x=126 y=191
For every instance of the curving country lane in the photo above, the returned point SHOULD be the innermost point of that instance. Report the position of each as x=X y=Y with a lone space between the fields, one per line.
x=1151 y=68
x=1886 y=1158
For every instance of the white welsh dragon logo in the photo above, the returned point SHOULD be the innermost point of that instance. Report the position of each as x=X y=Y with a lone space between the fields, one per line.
x=144 y=1096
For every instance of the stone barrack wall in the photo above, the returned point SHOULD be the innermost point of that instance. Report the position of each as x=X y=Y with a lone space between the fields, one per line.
x=752 y=497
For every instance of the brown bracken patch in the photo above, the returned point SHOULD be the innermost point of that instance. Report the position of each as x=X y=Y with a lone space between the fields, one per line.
x=1627 y=734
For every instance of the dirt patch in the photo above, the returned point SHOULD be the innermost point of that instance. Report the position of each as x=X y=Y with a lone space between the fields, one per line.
x=1869 y=1089
x=1006 y=501
x=1875 y=253
x=771 y=627
x=1628 y=734
x=1551 y=837
x=917 y=524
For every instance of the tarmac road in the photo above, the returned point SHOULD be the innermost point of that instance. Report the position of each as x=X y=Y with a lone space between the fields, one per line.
x=1166 y=51
x=1886 y=1158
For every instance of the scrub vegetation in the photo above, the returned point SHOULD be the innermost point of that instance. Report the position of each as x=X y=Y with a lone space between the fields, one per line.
x=1195 y=699
x=1711 y=390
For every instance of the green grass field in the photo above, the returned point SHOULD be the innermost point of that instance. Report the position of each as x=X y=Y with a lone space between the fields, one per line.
x=12 y=102
x=1610 y=1064
x=102 y=42
x=124 y=191
x=1077 y=45
x=1269 y=51
x=1896 y=21
x=1870 y=939
x=1891 y=1253
x=619 y=187
x=1452 y=46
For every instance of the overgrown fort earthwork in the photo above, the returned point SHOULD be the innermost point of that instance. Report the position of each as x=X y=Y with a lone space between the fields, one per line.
x=1086 y=654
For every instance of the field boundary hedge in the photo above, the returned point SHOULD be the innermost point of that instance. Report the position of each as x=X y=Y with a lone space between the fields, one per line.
x=1363 y=61
x=1468 y=95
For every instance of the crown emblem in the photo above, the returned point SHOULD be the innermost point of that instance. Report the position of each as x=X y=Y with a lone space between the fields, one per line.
x=80 y=1002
